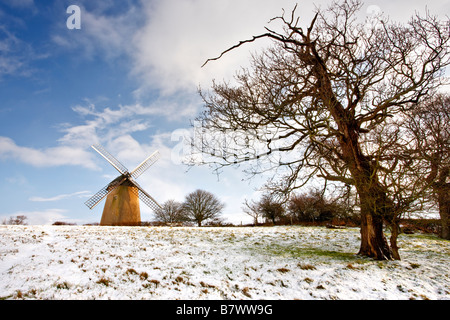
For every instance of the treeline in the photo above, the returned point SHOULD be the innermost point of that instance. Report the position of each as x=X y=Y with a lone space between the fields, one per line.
x=311 y=207
x=314 y=208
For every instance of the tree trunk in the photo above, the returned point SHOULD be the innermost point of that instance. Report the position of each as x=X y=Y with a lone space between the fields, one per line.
x=395 y=231
x=374 y=202
x=376 y=207
x=373 y=241
x=443 y=194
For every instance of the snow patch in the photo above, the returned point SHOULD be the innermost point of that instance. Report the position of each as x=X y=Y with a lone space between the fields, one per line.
x=93 y=262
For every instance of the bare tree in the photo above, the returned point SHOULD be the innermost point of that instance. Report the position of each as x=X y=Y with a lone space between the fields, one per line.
x=18 y=220
x=270 y=208
x=429 y=125
x=413 y=154
x=170 y=212
x=314 y=205
x=302 y=207
x=399 y=170
x=251 y=208
x=202 y=205
x=306 y=106
x=308 y=206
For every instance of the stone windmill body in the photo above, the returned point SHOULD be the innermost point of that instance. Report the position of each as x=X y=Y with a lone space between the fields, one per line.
x=123 y=193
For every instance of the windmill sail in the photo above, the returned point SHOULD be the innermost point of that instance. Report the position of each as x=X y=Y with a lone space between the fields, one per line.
x=140 y=169
x=145 y=197
x=96 y=198
x=113 y=161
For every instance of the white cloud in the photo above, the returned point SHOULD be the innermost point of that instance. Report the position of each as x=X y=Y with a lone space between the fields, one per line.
x=167 y=41
x=56 y=156
x=18 y=179
x=179 y=36
x=402 y=11
x=112 y=127
x=102 y=33
x=79 y=194
x=15 y=54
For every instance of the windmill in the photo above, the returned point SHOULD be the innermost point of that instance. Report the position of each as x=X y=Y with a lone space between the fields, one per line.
x=123 y=193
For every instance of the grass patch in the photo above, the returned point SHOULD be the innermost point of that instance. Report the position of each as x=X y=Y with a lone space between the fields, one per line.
x=143 y=275
x=63 y=285
x=131 y=271
x=306 y=266
x=331 y=254
x=299 y=252
x=104 y=281
x=425 y=236
x=283 y=270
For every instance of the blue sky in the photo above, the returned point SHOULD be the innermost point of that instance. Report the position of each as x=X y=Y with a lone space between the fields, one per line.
x=128 y=80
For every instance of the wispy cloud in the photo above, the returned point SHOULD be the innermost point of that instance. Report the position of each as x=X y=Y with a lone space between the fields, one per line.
x=79 y=194
x=179 y=36
x=106 y=29
x=15 y=54
x=112 y=127
x=166 y=42
x=49 y=157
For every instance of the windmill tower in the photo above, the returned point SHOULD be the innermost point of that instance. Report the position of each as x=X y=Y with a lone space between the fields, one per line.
x=123 y=193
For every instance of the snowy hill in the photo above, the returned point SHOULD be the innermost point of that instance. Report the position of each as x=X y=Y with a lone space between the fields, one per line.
x=92 y=262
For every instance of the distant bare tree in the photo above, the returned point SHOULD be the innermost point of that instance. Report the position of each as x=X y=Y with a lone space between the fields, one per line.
x=18 y=220
x=307 y=105
x=252 y=209
x=170 y=212
x=429 y=125
x=306 y=206
x=270 y=208
x=202 y=205
x=413 y=156
x=313 y=205
x=267 y=207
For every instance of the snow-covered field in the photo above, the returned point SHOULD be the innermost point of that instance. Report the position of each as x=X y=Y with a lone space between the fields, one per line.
x=92 y=262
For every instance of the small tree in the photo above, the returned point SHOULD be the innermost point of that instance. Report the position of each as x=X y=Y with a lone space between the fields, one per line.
x=18 y=220
x=251 y=208
x=170 y=212
x=268 y=207
x=429 y=127
x=315 y=206
x=202 y=205
x=305 y=206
